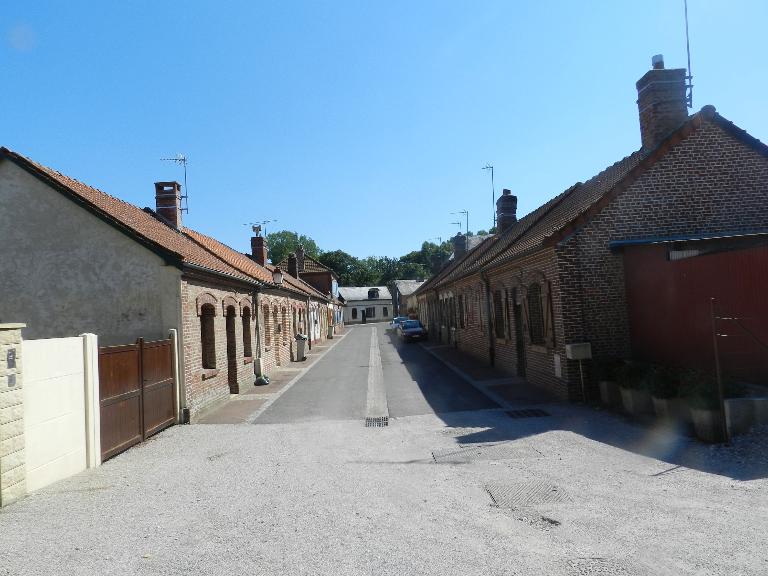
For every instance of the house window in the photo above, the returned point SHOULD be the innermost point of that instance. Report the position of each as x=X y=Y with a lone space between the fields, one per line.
x=461 y=311
x=284 y=325
x=535 y=314
x=370 y=312
x=208 y=335
x=498 y=314
x=267 y=327
x=247 y=352
x=373 y=293
x=385 y=312
x=354 y=313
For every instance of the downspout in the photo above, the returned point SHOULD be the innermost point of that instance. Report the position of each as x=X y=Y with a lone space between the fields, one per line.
x=258 y=368
x=309 y=322
x=491 y=335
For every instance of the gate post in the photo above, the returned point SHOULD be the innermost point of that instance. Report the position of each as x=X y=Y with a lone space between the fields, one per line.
x=92 y=397
x=13 y=472
x=174 y=336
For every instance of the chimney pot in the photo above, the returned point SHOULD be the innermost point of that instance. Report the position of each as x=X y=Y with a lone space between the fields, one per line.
x=168 y=202
x=259 y=249
x=661 y=102
x=506 y=211
x=293 y=268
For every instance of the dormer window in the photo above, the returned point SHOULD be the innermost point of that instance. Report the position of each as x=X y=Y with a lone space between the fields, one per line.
x=373 y=293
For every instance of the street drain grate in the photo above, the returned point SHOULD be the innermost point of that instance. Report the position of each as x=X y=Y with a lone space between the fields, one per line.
x=525 y=494
x=528 y=413
x=483 y=452
x=378 y=422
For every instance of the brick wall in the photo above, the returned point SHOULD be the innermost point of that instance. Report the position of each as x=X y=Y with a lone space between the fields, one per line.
x=709 y=183
x=205 y=388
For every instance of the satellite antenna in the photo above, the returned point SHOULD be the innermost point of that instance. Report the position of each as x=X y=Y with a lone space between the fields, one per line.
x=257 y=227
x=689 y=77
x=493 y=191
x=181 y=159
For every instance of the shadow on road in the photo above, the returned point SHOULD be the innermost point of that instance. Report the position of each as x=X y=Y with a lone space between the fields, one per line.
x=745 y=459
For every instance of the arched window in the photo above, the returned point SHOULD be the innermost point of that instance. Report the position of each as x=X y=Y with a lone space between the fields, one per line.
x=285 y=327
x=354 y=313
x=247 y=351
x=535 y=314
x=208 y=336
x=267 y=327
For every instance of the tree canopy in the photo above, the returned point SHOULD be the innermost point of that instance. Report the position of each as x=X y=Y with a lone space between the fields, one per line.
x=370 y=271
x=282 y=243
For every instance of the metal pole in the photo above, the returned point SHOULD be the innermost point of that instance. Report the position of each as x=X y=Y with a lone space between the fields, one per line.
x=718 y=374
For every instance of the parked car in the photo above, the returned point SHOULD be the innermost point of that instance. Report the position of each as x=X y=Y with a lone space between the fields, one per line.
x=410 y=330
x=396 y=321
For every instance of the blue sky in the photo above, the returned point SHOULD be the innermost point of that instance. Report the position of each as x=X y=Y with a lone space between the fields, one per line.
x=360 y=124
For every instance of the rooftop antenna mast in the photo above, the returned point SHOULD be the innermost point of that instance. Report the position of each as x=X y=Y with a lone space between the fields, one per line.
x=689 y=77
x=493 y=191
x=181 y=159
x=438 y=238
x=258 y=226
x=466 y=213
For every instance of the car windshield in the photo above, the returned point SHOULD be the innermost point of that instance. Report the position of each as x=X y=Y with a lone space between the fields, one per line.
x=411 y=324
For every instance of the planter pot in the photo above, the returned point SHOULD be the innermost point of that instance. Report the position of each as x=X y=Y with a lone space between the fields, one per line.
x=671 y=409
x=707 y=424
x=609 y=394
x=636 y=402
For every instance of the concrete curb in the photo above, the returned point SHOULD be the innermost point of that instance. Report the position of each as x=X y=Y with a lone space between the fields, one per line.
x=252 y=418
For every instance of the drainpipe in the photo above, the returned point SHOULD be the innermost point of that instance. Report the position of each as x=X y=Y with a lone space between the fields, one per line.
x=259 y=369
x=309 y=322
x=491 y=335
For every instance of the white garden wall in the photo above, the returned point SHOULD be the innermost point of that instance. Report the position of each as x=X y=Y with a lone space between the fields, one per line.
x=58 y=387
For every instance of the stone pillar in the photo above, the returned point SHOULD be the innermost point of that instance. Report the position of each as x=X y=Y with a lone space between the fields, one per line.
x=13 y=485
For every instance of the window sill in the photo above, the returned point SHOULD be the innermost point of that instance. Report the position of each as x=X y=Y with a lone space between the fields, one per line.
x=208 y=373
x=538 y=348
x=247 y=359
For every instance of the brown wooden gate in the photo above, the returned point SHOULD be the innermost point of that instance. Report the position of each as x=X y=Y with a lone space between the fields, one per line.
x=137 y=393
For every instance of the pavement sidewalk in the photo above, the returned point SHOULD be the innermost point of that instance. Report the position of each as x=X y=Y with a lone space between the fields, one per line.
x=506 y=390
x=245 y=407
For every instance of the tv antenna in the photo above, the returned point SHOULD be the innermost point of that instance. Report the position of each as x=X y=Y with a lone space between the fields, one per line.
x=458 y=224
x=258 y=226
x=181 y=159
x=689 y=77
x=493 y=192
x=438 y=238
x=466 y=213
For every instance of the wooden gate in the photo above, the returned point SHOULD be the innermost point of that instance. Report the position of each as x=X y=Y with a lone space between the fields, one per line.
x=137 y=393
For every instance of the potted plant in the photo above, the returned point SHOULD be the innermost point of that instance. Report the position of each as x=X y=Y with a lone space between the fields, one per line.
x=634 y=382
x=607 y=371
x=665 y=394
x=700 y=391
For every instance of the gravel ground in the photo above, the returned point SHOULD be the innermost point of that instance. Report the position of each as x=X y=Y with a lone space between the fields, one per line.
x=332 y=497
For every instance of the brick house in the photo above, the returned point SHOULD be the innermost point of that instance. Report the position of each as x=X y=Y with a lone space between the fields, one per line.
x=301 y=265
x=551 y=278
x=400 y=290
x=79 y=260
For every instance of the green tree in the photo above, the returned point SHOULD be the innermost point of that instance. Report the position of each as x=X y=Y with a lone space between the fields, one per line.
x=282 y=243
x=342 y=263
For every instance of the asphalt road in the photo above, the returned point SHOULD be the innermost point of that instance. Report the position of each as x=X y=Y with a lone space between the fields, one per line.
x=415 y=383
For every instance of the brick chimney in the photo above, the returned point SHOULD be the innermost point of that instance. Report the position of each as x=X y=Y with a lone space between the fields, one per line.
x=506 y=211
x=300 y=258
x=259 y=249
x=168 y=202
x=293 y=268
x=661 y=102
x=459 y=245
